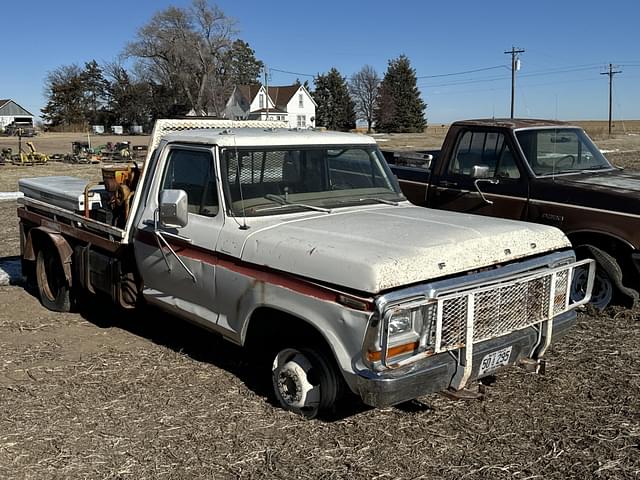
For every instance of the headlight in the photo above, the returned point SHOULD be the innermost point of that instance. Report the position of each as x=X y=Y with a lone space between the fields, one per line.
x=407 y=329
x=416 y=320
x=400 y=322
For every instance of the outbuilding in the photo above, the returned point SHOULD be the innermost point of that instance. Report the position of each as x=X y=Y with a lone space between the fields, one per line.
x=11 y=112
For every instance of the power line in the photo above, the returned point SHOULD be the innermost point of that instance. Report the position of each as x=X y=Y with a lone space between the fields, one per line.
x=463 y=73
x=464 y=82
x=292 y=73
x=578 y=68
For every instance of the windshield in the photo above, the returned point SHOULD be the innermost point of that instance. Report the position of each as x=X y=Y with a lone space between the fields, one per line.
x=560 y=150
x=274 y=181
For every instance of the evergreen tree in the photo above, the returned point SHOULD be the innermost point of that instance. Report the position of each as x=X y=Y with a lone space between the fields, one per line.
x=399 y=106
x=128 y=98
x=306 y=85
x=65 y=91
x=94 y=87
x=335 y=109
x=242 y=65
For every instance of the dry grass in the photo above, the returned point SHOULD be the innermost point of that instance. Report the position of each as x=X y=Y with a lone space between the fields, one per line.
x=113 y=396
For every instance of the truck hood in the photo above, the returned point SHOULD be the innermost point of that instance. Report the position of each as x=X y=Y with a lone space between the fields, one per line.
x=376 y=249
x=614 y=190
x=625 y=182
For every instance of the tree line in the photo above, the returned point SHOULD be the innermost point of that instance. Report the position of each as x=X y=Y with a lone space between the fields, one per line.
x=186 y=60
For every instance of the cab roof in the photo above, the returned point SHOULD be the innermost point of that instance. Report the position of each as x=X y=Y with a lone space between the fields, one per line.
x=512 y=123
x=261 y=137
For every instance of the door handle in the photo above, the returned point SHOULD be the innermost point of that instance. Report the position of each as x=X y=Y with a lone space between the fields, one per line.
x=492 y=181
x=447 y=184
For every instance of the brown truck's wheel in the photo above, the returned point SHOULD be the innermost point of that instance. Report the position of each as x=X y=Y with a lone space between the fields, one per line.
x=608 y=280
x=305 y=381
x=52 y=284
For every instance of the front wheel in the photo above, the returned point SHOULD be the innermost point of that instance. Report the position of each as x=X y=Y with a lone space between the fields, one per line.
x=602 y=293
x=304 y=381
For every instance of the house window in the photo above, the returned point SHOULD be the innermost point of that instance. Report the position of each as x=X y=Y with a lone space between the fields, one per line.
x=262 y=100
x=302 y=121
x=301 y=101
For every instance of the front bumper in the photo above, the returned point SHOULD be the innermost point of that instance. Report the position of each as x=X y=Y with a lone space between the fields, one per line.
x=435 y=373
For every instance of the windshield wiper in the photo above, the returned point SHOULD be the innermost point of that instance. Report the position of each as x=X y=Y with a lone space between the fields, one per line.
x=379 y=200
x=284 y=202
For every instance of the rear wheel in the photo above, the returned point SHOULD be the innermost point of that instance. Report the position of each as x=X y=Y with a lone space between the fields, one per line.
x=52 y=284
x=305 y=380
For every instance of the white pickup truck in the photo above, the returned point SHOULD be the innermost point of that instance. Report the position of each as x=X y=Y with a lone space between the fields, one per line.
x=299 y=244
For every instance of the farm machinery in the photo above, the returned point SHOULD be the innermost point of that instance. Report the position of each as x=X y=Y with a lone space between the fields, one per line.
x=114 y=152
x=29 y=157
x=81 y=152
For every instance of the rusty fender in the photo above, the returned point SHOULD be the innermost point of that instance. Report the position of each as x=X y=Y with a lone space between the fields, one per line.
x=343 y=328
x=63 y=249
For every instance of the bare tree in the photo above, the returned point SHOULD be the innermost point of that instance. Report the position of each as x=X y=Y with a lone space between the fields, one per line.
x=364 y=91
x=182 y=48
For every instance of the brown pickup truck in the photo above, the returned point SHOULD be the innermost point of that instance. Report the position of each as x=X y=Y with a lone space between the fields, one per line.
x=538 y=171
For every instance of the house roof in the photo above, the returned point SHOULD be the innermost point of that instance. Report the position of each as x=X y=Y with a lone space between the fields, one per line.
x=16 y=110
x=249 y=92
x=282 y=95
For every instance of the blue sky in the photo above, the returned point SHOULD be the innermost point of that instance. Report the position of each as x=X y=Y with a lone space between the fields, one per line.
x=567 y=43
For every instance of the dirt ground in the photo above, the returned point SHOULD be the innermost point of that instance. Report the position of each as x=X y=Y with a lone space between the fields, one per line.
x=112 y=395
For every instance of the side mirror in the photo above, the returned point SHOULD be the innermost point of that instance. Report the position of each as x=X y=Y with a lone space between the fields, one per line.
x=173 y=208
x=480 y=171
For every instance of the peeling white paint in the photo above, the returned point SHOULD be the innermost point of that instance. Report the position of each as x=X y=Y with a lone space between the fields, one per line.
x=381 y=248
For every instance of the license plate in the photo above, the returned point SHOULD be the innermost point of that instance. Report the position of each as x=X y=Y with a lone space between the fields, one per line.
x=494 y=360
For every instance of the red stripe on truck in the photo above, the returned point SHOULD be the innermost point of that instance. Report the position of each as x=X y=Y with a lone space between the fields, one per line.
x=260 y=273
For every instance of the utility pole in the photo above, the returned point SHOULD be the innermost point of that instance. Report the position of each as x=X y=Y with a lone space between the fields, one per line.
x=266 y=82
x=611 y=73
x=514 y=52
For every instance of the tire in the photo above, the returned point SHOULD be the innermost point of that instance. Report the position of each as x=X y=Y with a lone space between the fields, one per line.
x=607 y=285
x=602 y=293
x=52 y=285
x=305 y=381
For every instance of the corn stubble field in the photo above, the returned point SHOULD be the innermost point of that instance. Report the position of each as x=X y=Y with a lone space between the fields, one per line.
x=106 y=394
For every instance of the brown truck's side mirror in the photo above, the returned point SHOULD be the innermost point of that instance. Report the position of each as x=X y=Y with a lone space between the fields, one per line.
x=173 y=211
x=480 y=171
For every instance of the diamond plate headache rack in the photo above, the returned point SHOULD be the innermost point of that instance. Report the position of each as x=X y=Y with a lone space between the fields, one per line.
x=165 y=126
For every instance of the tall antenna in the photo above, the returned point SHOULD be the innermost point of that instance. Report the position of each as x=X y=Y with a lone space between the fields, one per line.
x=611 y=73
x=515 y=65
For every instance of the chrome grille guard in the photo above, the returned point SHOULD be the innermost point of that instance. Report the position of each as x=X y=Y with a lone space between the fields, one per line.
x=464 y=317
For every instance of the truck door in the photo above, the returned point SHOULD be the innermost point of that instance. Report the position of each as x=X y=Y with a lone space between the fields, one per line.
x=178 y=269
x=501 y=192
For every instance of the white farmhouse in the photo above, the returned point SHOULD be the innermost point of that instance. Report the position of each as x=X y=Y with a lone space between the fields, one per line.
x=11 y=112
x=291 y=103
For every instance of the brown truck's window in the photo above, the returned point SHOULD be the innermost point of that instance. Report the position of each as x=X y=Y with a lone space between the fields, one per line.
x=484 y=149
x=192 y=171
x=558 y=150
